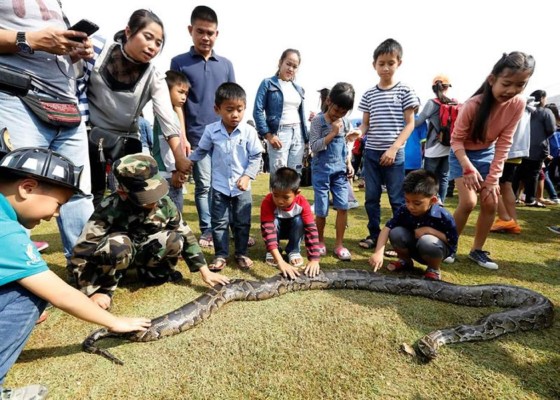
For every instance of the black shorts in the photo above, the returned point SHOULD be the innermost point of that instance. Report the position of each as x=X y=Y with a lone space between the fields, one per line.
x=508 y=172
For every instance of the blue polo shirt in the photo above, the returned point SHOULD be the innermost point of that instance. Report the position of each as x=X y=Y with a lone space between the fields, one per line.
x=19 y=257
x=437 y=218
x=204 y=77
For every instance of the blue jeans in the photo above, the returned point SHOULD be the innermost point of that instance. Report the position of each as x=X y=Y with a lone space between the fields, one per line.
x=26 y=130
x=176 y=195
x=428 y=246
x=19 y=310
x=376 y=175
x=440 y=167
x=240 y=209
x=291 y=153
x=202 y=174
x=291 y=229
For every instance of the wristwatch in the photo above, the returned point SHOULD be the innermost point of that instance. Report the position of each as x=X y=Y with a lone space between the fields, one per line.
x=22 y=45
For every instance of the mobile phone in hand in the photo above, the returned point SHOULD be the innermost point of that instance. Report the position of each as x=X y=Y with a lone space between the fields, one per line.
x=86 y=26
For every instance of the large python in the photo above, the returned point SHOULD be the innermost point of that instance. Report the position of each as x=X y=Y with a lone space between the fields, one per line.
x=527 y=309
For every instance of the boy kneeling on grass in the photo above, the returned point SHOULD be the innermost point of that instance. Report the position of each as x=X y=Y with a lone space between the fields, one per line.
x=34 y=184
x=421 y=230
x=138 y=226
x=286 y=214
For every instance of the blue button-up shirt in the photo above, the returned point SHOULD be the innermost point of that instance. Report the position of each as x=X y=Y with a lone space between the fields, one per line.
x=233 y=155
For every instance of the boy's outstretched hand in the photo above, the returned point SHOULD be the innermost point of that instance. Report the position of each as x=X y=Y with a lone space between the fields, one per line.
x=376 y=260
x=126 y=324
x=312 y=269
x=213 y=278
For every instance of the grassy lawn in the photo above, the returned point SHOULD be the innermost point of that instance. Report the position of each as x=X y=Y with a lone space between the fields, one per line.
x=309 y=345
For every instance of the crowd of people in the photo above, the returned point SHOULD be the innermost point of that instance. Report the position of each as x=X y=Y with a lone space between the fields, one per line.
x=200 y=128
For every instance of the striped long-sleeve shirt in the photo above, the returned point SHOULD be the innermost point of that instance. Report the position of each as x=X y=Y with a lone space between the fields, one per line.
x=300 y=207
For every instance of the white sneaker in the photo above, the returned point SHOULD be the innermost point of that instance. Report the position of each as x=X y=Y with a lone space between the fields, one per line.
x=31 y=392
x=481 y=258
x=450 y=259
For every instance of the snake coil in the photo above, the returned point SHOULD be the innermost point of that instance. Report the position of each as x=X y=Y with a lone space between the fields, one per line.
x=526 y=309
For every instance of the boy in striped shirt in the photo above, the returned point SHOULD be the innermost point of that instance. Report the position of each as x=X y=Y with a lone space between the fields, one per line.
x=388 y=121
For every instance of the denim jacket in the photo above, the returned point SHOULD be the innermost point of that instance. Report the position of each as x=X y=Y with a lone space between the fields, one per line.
x=269 y=103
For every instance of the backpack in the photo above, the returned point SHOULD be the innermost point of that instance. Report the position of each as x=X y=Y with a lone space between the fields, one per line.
x=447 y=117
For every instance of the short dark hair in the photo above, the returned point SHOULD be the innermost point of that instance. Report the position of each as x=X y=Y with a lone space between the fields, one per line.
x=174 y=78
x=204 y=13
x=229 y=91
x=421 y=182
x=388 y=46
x=342 y=95
x=285 y=178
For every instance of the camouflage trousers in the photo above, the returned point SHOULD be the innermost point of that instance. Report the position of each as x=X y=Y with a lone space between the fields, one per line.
x=154 y=259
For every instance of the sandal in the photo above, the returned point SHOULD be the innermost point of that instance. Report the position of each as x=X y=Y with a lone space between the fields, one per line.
x=432 y=274
x=322 y=249
x=535 y=203
x=251 y=241
x=206 y=240
x=295 y=258
x=269 y=260
x=217 y=264
x=244 y=262
x=390 y=253
x=367 y=243
x=398 y=265
x=342 y=254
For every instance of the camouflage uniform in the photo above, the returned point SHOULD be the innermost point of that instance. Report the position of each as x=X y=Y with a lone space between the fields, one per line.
x=122 y=234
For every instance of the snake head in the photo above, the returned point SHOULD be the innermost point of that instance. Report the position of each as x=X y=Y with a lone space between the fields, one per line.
x=427 y=348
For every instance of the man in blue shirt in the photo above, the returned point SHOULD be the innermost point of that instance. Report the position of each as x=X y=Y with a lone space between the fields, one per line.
x=206 y=71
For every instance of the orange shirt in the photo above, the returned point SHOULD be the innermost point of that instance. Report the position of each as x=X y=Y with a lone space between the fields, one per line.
x=501 y=125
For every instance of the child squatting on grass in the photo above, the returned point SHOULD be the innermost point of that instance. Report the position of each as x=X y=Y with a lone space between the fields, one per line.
x=34 y=184
x=286 y=214
x=421 y=230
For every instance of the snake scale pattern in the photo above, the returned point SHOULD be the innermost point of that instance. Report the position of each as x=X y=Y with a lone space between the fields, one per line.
x=525 y=309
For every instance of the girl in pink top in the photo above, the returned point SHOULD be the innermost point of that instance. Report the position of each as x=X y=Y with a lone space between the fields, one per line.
x=481 y=141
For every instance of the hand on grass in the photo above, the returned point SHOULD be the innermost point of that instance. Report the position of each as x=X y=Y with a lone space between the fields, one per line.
x=102 y=300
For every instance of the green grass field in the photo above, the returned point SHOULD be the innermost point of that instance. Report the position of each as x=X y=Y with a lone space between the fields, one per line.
x=311 y=345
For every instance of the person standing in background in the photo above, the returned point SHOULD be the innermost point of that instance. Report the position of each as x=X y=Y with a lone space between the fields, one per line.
x=279 y=114
x=206 y=71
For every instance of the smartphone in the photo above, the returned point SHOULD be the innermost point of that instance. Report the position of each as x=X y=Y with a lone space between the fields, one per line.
x=86 y=26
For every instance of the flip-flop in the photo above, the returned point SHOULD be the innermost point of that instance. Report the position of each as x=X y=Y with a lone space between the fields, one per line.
x=244 y=262
x=295 y=259
x=390 y=253
x=269 y=260
x=367 y=243
x=217 y=264
x=206 y=240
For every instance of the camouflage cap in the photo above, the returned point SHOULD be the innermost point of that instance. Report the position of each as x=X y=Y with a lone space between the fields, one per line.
x=138 y=176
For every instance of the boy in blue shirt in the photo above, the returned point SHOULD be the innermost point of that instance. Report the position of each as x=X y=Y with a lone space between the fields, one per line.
x=388 y=122
x=235 y=151
x=421 y=230
x=34 y=184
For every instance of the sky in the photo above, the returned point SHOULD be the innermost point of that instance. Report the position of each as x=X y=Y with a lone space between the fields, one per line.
x=337 y=39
